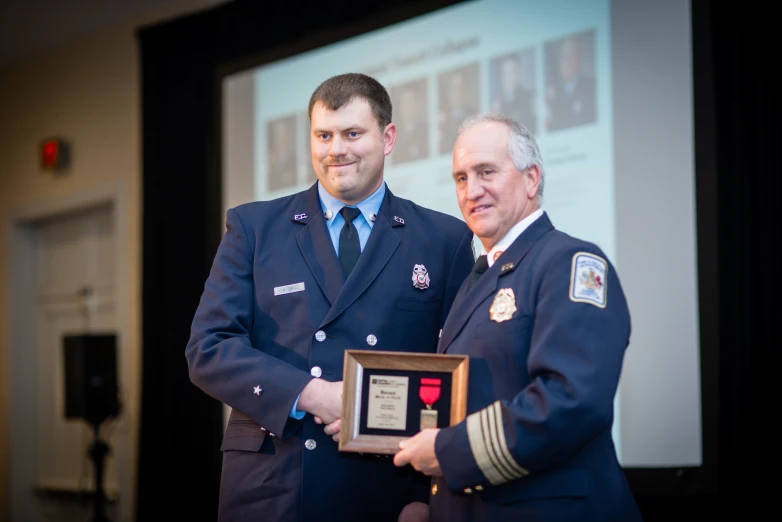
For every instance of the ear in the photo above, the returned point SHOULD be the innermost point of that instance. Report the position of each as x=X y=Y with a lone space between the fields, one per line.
x=532 y=181
x=389 y=138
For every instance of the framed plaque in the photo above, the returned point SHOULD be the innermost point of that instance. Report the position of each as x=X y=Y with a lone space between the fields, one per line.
x=390 y=396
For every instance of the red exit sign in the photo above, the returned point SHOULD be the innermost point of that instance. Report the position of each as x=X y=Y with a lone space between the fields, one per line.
x=54 y=154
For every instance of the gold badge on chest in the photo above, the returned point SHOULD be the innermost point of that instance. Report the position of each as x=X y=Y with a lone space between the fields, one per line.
x=504 y=305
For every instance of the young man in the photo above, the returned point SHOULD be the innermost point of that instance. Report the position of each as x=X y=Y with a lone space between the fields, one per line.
x=297 y=281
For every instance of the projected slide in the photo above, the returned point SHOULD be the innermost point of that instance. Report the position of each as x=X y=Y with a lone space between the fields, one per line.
x=554 y=76
x=615 y=133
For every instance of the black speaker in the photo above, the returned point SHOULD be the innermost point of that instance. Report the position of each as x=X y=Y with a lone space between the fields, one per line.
x=91 y=391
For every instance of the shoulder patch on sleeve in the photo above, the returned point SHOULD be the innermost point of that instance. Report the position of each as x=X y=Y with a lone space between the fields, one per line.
x=588 y=279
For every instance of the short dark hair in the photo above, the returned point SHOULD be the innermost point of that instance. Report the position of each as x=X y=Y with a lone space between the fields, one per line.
x=340 y=90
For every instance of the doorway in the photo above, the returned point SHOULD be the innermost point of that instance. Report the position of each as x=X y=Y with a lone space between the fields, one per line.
x=64 y=280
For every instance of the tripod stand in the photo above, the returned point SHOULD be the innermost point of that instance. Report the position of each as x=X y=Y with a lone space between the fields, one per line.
x=91 y=394
x=98 y=451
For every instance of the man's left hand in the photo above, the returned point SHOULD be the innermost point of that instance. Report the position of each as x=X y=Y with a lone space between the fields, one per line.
x=418 y=451
x=333 y=429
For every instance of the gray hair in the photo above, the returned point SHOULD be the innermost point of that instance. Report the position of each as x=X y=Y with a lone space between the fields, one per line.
x=522 y=147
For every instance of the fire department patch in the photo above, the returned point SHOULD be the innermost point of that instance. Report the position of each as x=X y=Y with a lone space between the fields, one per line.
x=588 y=278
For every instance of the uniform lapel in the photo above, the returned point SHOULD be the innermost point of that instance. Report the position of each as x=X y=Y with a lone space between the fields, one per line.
x=466 y=302
x=382 y=243
x=317 y=249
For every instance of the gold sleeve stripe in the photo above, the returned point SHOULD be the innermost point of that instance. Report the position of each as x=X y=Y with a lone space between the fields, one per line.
x=486 y=434
x=478 y=448
x=505 y=451
x=497 y=441
x=490 y=441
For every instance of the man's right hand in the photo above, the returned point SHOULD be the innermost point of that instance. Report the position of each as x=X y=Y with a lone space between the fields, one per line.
x=323 y=399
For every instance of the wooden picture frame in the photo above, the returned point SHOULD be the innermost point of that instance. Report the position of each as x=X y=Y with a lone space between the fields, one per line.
x=403 y=375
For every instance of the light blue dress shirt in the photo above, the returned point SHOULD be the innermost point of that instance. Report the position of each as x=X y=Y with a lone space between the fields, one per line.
x=363 y=224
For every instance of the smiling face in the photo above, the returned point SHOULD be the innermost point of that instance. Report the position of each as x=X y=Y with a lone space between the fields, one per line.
x=349 y=149
x=493 y=194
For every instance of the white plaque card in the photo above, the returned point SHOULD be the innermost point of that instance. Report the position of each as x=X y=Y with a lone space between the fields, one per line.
x=387 y=404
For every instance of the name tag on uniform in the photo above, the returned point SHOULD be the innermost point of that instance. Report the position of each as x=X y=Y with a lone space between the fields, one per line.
x=288 y=289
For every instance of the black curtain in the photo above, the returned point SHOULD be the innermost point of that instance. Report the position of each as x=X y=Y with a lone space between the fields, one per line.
x=746 y=127
x=737 y=171
x=737 y=114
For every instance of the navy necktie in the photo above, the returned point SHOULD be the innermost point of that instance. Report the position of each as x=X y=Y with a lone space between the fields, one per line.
x=349 y=246
x=481 y=265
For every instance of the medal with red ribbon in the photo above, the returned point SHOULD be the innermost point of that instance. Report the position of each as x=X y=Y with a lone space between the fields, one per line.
x=429 y=392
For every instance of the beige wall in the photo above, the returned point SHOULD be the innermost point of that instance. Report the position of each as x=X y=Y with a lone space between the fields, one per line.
x=88 y=92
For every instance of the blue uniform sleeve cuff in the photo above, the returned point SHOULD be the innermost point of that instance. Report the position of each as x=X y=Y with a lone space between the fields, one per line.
x=452 y=448
x=296 y=414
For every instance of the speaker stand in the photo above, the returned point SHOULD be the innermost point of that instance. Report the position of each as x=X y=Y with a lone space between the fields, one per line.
x=98 y=451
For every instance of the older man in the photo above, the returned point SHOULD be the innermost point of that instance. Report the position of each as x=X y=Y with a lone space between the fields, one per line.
x=545 y=323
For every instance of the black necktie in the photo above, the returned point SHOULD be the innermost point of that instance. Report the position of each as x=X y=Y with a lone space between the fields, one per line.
x=481 y=265
x=349 y=246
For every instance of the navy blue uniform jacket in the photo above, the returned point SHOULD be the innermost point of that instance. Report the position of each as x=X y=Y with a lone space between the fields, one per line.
x=546 y=328
x=255 y=351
